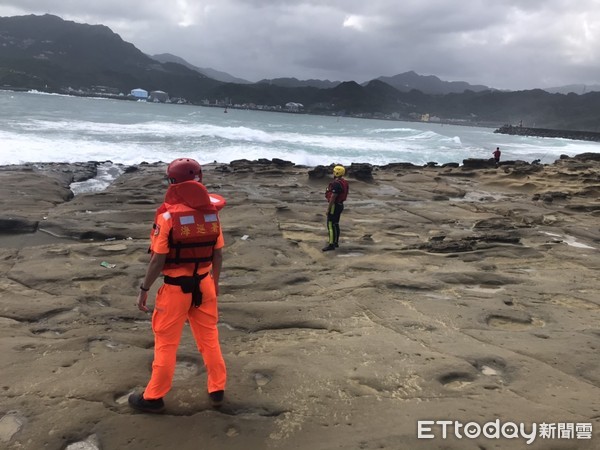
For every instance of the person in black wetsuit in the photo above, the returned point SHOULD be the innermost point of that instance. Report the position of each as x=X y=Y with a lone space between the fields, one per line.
x=336 y=194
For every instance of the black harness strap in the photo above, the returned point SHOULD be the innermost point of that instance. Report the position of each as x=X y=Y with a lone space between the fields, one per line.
x=181 y=245
x=188 y=260
x=189 y=285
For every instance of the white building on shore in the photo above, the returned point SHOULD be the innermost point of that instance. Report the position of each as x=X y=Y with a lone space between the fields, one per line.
x=294 y=107
x=140 y=94
x=158 y=97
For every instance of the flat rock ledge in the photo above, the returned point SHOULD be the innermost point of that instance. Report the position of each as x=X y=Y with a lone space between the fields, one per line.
x=463 y=292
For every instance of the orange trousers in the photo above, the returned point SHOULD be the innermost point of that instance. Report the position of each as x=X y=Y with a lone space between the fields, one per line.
x=171 y=311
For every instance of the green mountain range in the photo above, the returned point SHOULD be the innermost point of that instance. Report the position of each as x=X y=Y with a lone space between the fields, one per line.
x=49 y=53
x=46 y=52
x=207 y=71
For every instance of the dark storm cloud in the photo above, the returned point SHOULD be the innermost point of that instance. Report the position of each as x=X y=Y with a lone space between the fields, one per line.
x=504 y=44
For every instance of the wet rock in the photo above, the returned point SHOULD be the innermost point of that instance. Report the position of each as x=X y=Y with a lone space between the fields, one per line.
x=549 y=197
x=400 y=165
x=282 y=163
x=361 y=172
x=477 y=163
x=523 y=169
x=319 y=172
x=500 y=223
x=12 y=225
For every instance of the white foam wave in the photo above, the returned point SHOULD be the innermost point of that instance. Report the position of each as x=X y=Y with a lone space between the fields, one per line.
x=51 y=94
x=74 y=129
x=156 y=129
x=106 y=174
x=392 y=130
x=157 y=132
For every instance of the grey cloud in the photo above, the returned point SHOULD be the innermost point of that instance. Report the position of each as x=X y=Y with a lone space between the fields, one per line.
x=504 y=44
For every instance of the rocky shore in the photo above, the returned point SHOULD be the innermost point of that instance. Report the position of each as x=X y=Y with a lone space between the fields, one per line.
x=463 y=293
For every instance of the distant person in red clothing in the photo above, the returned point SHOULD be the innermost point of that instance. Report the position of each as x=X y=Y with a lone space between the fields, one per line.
x=497 y=156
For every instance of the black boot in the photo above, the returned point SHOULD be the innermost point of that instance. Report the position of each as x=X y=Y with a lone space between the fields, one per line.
x=139 y=403
x=216 y=398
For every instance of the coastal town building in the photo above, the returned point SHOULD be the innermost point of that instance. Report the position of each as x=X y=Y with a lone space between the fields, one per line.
x=158 y=97
x=140 y=94
x=294 y=107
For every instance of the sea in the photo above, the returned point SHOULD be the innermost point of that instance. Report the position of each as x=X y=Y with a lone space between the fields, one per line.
x=41 y=127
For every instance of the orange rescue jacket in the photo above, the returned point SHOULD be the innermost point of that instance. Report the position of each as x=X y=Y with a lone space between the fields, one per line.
x=195 y=224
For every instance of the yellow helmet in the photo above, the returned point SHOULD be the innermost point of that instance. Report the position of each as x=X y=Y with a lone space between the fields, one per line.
x=339 y=171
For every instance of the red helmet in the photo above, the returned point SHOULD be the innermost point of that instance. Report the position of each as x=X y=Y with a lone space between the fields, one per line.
x=184 y=169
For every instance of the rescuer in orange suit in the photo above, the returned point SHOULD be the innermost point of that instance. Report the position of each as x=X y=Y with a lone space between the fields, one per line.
x=186 y=247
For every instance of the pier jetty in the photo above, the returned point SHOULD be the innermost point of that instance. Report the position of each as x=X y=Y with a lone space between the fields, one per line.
x=545 y=132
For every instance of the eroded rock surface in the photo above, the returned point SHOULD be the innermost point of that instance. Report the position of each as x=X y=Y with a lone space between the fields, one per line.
x=456 y=294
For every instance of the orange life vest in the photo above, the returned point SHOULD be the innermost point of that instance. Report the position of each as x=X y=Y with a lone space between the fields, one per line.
x=195 y=224
x=342 y=196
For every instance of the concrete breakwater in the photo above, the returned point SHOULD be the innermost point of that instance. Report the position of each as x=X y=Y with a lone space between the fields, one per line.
x=545 y=132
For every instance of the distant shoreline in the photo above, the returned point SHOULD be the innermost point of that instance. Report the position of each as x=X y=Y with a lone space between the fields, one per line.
x=590 y=136
x=545 y=132
x=368 y=116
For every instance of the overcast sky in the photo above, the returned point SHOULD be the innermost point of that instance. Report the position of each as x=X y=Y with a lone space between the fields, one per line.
x=505 y=44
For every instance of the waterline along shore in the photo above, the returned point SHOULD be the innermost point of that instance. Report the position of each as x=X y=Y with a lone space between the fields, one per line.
x=457 y=294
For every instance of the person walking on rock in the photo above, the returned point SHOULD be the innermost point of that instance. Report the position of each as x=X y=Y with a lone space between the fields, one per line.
x=497 y=155
x=336 y=194
x=186 y=247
